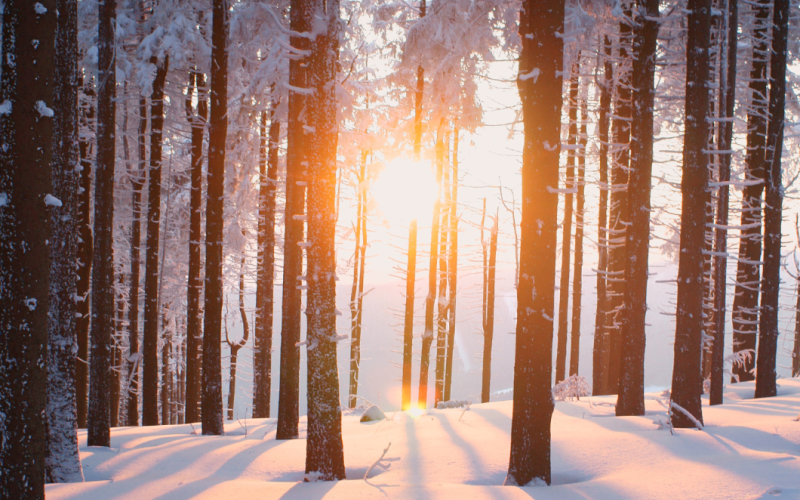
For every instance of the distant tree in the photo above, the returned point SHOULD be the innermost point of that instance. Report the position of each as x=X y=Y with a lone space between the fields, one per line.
x=103 y=292
x=408 y=323
x=631 y=379
x=488 y=316
x=27 y=206
x=539 y=83
x=452 y=265
x=217 y=137
x=686 y=372
x=357 y=291
x=766 y=364
x=577 y=280
x=235 y=347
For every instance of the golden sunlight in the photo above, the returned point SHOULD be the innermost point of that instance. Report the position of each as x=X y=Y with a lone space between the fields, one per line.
x=405 y=190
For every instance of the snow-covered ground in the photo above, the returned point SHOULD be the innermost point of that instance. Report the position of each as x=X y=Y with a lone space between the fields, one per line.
x=749 y=449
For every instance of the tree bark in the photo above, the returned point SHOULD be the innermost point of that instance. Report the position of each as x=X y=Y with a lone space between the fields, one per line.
x=566 y=225
x=166 y=372
x=748 y=271
x=631 y=374
x=577 y=280
x=268 y=170
x=601 y=334
x=542 y=55
x=408 y=325
x=324 y=449
x=488 y=325
x=294 y=219
x=687 y=372
x=103 y=294
x=151 y=273
x=453 y=268
x=215 y=200
x=725 y=142
x=355 y=298
x=442 y=305
x=63 y=462
x=766 y=361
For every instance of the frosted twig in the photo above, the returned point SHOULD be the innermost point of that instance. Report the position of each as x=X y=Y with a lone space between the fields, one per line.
x=366 y=474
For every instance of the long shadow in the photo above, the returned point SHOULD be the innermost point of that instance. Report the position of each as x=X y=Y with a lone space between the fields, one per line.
x=309 y=491
x=477 y=463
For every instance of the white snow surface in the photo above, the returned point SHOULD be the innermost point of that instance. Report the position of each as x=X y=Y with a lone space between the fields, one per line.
x=749 y=449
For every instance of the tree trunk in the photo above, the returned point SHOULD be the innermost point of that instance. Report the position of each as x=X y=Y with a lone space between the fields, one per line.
x=724 y=142
x=116 y=366
x=197 y=120
x=600 y=350
x=686 y=373
x=85 y=250
x=617 y=255
x=566 y=226
x=265 y=287
x=103 y=295
x=27 y=93
x=796 y=348
x=418 y=95
x=355 y=324
x=166 y=372
x=442 y=305
x=766 y=363
x=217 y=136
x=488 y=325
x=236 y=346
x=631 y=374
x=63 y=462
x=748 y=271
x=408 y=325
x=577 y=280
x=151 y=288
x=324 y=449
x=539 y=85
x=294 y=219
x=453 y=267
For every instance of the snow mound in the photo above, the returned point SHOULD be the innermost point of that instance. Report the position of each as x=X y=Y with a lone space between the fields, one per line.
x=445 y=405
x=373 y=414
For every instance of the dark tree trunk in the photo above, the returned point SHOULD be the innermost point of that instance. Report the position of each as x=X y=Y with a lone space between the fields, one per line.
x=85 y=250
x=748 y=271
x=542 y=55
x=631 y=374
x=134 y=357
x=601 y=333
x=116 y=366
x=686 y=372
x=63 y=464
x=217 y=136
x=166 y=372
x=266 y=271
x=488 y=325
x=197 y=120
x=773 y=207
x=577 y=280
x=725 y=141
x=236 y=346
x=408 y=324
x=26 y=132
x=151 y=273
x=103 y=294
x=453 y=267
x=566 y=225
x=358 y=279
x=619 y=217
x=324 y=449
x=294 y=220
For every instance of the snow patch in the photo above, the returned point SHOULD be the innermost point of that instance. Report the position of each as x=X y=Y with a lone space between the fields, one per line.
x=372 y=414
x=3 y=199
x=39 y=8
x=43 y=110
x=52 y=201
x=5 y=108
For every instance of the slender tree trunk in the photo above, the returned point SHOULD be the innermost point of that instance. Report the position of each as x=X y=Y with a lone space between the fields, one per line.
x=488 y=325
x=102 y=342
x=766 y=364
x=134 y=358
x=63 y=462
x=566 y=226
x=166 y=372
x=725 y=142
x=294 y=220
x=686 y=373
x=453 y=267
x=631 y=379
x=418 y=95
x=745 y=298
x=577 y=280
x=151 y=274
x=236 y=346
x=217 y=136
x=600 y=350
x=617 y=255
x=355 y=326
x=542 y=54
x=796 y=348
x=197 y=120
x=324 y=449
x=85 y=250
x=266 y=272
x=442 y=309
x=408 y=325
x=26 y=209
x=116 y=365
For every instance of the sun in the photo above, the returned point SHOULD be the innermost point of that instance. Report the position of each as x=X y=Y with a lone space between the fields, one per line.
x=404 y=191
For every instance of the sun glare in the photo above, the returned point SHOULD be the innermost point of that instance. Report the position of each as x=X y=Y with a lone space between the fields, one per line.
x=405 y=190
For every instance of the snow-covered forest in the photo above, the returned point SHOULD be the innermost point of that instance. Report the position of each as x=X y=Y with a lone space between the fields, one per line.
x=270 y=238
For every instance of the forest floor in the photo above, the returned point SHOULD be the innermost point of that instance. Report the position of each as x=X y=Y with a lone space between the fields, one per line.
x=749 y=449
